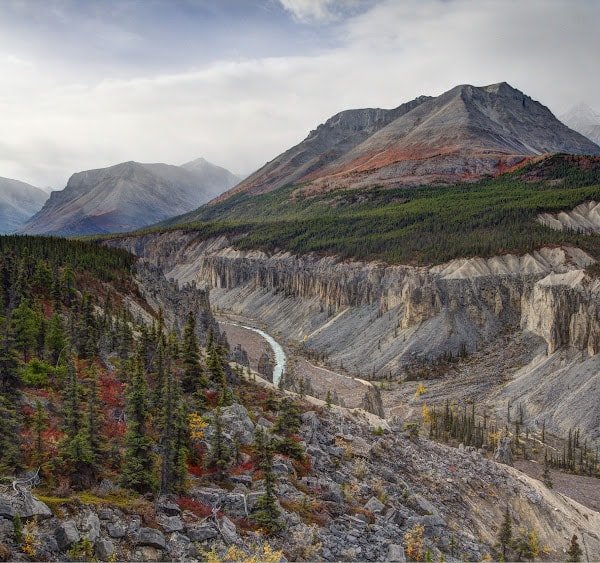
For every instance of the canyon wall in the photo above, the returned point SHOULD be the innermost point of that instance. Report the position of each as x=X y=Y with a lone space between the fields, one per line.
x=379 y=320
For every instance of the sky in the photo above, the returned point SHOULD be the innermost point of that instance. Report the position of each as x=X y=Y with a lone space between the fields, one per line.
x=86 y=84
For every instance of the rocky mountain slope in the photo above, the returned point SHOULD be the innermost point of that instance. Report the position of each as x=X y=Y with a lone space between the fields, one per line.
x=466 y=133
x=344 y=483
x=583 y=119
x=18 y=202
x=128 y=196
x=366 y=498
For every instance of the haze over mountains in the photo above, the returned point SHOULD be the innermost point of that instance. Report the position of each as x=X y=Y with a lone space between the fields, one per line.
x=583 y=119
x=18 y=202
x=128 y=196
x=466 y=133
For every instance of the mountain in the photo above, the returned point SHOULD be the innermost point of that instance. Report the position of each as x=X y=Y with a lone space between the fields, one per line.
x=18 y=202
x=213 y=177
x=583 y=119
x=466 y=133
x=128 y=196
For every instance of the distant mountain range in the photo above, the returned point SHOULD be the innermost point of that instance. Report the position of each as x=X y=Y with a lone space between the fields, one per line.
x=128 y=196
x=466 y=133
x=583 y=119
x=18 y=202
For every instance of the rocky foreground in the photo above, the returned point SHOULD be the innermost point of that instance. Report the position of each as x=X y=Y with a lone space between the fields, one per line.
x=364 y=493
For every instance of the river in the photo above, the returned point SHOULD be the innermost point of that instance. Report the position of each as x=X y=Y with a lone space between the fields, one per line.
x=275 y=346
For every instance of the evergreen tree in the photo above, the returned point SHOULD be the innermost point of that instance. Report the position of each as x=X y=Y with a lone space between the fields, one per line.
x=174 y=440
x=574 y=552
x=267 y=513
x=94 y=415
x=505 y=533
x=55 y=338
x=216 y=366
x=71 y=401
x=39 y=424
x=137 y=467
x=9 y=365
x=219 y=454
x=193 y=377
x=10 y=451
x=25 y=327
x=289 y=420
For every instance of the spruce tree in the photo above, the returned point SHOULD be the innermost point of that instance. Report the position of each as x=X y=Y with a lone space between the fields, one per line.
x=174 y=439
x=216 y=366
x=94 y=415
x=574 y=552
x=71 y=401
x=10 y=451
x=289 y=420
x=267 y=513
x=137 y=467
x=193 y=377
x=219 y=453
x=55 y=338
x=39 y=424
x=505 y=533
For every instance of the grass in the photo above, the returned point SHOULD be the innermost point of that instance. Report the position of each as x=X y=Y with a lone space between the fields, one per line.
x=421 y=225
x=120 y=499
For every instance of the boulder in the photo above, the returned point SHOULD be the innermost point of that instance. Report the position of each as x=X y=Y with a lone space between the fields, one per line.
x=374 y=505
x=23 y=504
x=395 y=553
x=66 y=534
x=151 y=538
x=265 y=423
x=237 y=424
x=167 y=506
x=178 y=546
x=91 y=527
x=106 y=514
x=423 y=505
x=116 y=530
x=105 y=549
x=170 y=524
x=228 y=530
x=202 y=532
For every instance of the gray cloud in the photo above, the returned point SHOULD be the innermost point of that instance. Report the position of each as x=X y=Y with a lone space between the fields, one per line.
x=61 y=114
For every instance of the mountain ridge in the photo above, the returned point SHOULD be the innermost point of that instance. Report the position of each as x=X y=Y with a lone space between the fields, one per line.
x=127 y=196
x=465 y=133
x=585 y=120
x=18 y=202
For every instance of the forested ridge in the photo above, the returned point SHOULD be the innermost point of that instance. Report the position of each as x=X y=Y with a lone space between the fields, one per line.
x=420 y=225
x=89 y=393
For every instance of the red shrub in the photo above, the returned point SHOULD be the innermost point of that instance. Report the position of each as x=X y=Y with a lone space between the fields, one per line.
x=111 y=392
x=199 y=509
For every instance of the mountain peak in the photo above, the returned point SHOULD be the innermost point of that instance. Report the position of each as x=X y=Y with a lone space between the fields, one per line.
x=463 y=134
x=583 y=119
x=127 y=196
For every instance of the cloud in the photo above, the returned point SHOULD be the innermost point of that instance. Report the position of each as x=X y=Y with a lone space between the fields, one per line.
x=62 y=114
x=310 y=11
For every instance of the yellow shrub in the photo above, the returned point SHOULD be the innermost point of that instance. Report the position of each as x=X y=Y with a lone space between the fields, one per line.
x=413 y=540
x=421 y=390
x=196 y=425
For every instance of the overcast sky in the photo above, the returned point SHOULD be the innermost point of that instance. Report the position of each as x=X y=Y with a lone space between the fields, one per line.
x=85 y=84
